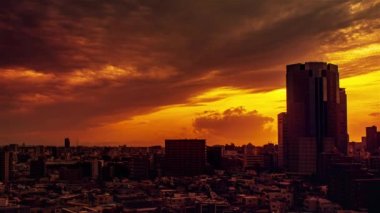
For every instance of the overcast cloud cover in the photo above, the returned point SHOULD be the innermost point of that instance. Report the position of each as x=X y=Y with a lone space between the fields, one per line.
x=76 y=64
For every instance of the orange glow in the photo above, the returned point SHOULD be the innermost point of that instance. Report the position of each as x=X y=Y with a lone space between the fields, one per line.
x=345 y=56
x=363 y=99
x=176 y=120
x=106 y=78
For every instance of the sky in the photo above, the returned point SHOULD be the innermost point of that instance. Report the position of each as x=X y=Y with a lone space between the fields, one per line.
x=133 y=72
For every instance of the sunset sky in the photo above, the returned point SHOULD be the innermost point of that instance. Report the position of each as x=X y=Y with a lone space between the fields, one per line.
x=113 y=72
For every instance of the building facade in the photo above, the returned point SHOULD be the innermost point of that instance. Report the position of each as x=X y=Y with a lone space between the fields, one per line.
x=316 y=117
x=372 y=140
x=5 y=164
x=185 y=157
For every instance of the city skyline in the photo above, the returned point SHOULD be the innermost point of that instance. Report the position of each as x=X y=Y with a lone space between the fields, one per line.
x=137 y=73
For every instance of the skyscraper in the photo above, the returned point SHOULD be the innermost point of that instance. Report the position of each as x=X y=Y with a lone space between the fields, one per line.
x=316 y=115
x=185 y=157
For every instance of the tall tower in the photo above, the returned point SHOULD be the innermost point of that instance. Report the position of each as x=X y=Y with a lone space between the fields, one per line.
x=316 y=115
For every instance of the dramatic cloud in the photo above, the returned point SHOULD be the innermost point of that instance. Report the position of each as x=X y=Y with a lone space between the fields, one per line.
x=78 y=64
x=234 y=124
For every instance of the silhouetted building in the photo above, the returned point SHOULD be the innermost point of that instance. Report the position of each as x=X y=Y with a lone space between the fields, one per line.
x=282 y=136
x=96 y=168
x=214 y=156
x=37 y=168
x=316 y=115
x=354 y=188
x=139 y=167
x=185 y=157
x=251 y=157
x=371 y=139
x=67 y=143
x=374 y=162
x=341 y=179
x=70 y=170
x=13 y=147
x=356 y=150
x=4 y=165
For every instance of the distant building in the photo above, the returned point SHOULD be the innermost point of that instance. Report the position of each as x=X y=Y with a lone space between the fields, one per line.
x=371 y=139
x=356 y=149
x=37 y=168
x=96 y=168
x=354 y=188
x=4 y=165
x=316 y=118
x=67 y=143
x=282 y=136
x=252 y=159
x=185 y=157
x=214 y=156
x=139 y=167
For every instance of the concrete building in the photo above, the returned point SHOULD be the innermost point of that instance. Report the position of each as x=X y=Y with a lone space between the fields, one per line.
x=316 y=114
x=282 y=136
x=185 y=157
x=4 y=165
x=67 y=143
x=371 y=139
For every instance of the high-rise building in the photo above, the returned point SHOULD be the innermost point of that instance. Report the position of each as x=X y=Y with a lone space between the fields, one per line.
x=371 y=139
x=316 y=118
x=185 y=157
x=4 y=165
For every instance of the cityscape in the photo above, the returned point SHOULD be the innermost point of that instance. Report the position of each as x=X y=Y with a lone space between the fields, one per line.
x=198 y=106
x=313 y=168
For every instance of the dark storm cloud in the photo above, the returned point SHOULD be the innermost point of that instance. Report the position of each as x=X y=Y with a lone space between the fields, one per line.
x=176 y=49
x=192 y=36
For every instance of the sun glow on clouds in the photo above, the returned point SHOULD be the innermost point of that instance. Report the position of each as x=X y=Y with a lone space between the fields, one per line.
x=177 y=120
x=24 y=75
x=344 y=56
x=138 y=72
x=363 y=102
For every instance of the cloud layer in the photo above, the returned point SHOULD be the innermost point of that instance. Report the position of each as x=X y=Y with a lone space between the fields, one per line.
x=234 y=125
x=77 y=64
